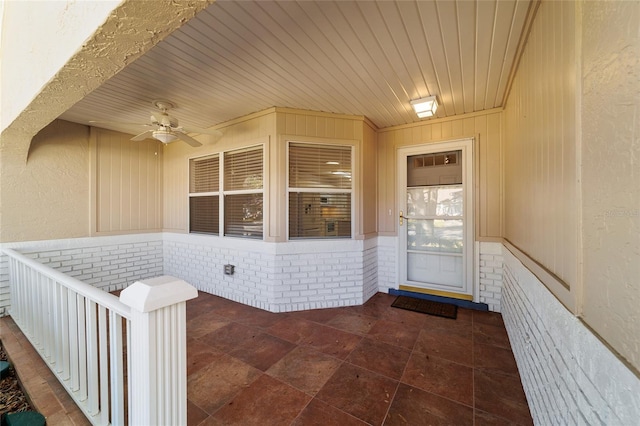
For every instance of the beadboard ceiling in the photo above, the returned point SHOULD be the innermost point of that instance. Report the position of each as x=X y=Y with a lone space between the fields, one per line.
x=366 y=58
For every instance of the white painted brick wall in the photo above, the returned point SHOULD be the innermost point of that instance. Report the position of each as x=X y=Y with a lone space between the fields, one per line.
x=277 y=277
x=490 y=275
x=387 y=264
x=370 y=273
x=110 y=263
x=568 y=375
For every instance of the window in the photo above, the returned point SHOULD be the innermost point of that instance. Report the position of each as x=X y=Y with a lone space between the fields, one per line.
x=204 y=194
x=243 y=200
x=241 y=194
x=319 y=191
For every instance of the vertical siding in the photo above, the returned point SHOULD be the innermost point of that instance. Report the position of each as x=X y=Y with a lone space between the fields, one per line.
x=485 y=128
x=237 y=134
x=369 y=182
x=541 y=215
x=277 y=125
x=317 y=126
x=128 y=183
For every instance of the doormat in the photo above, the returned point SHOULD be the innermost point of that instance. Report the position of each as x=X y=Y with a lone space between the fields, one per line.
x=424 y=306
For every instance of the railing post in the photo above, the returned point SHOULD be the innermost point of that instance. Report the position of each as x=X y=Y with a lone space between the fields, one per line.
x=158 y=370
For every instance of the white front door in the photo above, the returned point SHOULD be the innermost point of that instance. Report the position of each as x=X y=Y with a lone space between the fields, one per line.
x=436 y=218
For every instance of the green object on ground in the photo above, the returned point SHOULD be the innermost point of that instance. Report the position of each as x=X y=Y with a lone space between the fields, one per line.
x=24 y=418
x=4 y=369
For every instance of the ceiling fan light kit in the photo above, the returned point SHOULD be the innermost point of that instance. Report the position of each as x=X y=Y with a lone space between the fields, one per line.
x=164 y=136
x=167 y=129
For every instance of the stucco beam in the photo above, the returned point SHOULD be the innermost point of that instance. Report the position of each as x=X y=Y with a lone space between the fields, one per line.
x=130 y=30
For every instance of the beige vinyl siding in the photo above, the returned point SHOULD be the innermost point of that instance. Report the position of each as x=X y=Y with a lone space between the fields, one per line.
x=485 y=127
x=369 y=182
x=243 y=132
x=541 y=180
x=274 y=127
x=312 y=126
x=128 y=183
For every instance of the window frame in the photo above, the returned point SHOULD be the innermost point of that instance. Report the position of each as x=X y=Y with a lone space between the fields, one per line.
x=351 y=191
x=222 y=192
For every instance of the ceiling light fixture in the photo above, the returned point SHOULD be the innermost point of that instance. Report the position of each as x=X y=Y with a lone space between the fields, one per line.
x=164 y=136
x=425 y=107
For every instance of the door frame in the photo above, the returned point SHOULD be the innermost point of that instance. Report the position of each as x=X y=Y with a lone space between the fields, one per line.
x=466 y=145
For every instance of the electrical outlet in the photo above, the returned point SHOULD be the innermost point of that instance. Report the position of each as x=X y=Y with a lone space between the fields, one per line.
x=229 y=269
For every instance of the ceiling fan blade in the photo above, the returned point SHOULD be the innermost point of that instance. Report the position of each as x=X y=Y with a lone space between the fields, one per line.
x=142 y=136
x=188 y=139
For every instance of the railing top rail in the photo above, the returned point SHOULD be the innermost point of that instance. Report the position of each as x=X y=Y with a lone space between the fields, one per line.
x=92 y=293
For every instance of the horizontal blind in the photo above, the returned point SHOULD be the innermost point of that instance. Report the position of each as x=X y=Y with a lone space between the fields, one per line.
x=318 y=215
x=204 y=174
x=243 y=215
x=204 y=214
x=319 y=166
x=243 y=169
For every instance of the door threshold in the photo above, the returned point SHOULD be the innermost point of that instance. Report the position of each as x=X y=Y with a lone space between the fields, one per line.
x=468 y=304
x=449 y=294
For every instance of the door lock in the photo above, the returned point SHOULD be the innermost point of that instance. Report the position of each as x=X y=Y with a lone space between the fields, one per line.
x=401 y=218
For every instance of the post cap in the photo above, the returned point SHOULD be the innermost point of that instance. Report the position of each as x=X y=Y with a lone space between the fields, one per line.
x=155 y=293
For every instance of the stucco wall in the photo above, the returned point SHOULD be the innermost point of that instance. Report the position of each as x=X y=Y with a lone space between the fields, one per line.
x=611 y=173
x=76 y=184
x=48 y=196
x=56 y=30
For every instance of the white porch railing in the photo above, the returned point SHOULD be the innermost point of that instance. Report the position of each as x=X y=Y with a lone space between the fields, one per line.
x=93 y=341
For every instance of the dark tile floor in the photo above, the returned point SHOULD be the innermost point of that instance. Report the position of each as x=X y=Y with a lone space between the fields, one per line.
x=370 y=364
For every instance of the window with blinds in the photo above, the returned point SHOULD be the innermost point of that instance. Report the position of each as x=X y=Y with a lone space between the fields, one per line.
x=237 y=185
x=204 y=195
x=320 y=185
x=243 y=192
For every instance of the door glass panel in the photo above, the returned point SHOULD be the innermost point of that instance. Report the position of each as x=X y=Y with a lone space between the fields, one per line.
x=435 y=235
x=435 y=201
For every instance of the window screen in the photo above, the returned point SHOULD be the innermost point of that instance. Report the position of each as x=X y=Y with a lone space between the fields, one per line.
x=319 y=191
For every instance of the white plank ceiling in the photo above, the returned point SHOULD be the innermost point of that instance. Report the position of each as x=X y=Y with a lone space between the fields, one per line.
x=366 y=58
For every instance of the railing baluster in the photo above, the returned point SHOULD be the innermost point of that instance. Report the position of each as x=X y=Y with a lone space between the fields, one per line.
x=32 y=328
x=103 y=360
x=57 y=314
x=64 y=335
x=93 y=387
x=72 y=319
x=47 y=290
x=116 y=360
x=82 y=349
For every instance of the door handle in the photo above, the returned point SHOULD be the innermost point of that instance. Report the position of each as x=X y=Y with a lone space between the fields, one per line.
x=401 y=218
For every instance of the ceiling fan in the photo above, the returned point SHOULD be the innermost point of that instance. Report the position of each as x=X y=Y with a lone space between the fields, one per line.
x=166 y=128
